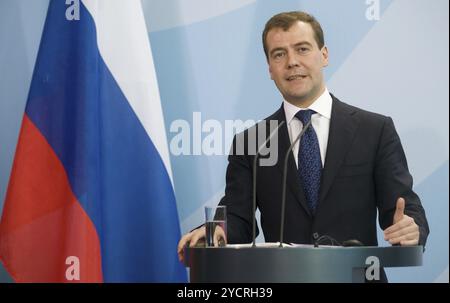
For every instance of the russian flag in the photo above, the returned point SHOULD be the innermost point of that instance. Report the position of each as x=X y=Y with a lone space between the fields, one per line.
x=90 y=197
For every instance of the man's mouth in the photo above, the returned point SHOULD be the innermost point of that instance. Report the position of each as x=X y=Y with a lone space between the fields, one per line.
x=295 y=77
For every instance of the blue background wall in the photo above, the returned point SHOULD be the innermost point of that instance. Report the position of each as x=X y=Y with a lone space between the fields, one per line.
x=209 y=59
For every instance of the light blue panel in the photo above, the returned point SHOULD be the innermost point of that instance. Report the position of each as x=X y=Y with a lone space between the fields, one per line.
x=21 y=24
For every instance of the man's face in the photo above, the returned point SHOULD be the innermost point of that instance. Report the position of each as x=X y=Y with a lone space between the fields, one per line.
x=296 y=63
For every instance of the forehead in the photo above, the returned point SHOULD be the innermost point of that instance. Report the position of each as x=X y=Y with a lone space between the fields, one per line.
x=298 y=32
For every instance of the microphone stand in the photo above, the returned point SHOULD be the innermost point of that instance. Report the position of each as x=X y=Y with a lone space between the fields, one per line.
x=255 y=164
x=283 y=195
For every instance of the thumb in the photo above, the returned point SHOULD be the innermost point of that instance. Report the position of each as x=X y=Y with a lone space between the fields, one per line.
x=400 y=210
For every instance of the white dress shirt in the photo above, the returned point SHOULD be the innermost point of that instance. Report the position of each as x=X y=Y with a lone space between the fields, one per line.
x=320 y=121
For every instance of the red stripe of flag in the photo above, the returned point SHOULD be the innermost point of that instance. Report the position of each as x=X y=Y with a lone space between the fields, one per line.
x=43 y=224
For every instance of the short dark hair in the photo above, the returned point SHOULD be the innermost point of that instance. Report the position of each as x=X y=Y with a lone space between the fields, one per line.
x=286 y=20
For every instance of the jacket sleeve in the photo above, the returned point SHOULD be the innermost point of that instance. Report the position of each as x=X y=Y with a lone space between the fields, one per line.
x=238 y=193
x=393 y=180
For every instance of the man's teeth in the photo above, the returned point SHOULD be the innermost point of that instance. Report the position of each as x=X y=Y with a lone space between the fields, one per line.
x=294 y=77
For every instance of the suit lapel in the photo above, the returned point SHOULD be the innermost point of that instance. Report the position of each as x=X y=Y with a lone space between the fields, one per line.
x=293 y=179
x=343 y=126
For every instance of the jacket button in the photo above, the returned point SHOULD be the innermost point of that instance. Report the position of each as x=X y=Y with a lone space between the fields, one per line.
x=315 y=236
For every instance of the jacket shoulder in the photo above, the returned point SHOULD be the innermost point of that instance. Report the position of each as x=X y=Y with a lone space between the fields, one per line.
x=361 y=114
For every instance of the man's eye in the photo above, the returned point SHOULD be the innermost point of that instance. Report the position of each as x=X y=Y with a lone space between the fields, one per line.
x=303 y=49
x=278 y=55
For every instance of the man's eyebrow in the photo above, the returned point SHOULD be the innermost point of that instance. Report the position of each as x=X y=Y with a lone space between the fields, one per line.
x=295 y=45
x=302 y=43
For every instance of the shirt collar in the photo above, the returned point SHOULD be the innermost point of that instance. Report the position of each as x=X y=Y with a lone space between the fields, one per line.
x=322 y=106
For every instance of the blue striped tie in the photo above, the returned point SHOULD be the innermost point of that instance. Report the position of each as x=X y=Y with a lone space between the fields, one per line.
x=309 y=161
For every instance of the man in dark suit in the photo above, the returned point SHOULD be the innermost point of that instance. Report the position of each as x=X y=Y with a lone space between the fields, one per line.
x=348 y=163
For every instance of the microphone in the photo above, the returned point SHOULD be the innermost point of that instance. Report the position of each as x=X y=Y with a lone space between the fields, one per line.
x=255 y=164
x=283 y=196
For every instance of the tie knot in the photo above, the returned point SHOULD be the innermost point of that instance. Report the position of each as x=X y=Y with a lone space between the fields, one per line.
x=305 y=115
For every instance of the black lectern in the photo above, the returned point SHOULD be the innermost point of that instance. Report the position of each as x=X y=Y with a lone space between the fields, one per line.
x=293 y=264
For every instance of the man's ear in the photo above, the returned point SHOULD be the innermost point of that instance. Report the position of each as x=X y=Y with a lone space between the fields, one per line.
x=324 y=52
x=270 y=72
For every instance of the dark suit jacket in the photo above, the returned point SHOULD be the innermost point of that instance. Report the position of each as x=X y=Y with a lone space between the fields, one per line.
x=365 y=170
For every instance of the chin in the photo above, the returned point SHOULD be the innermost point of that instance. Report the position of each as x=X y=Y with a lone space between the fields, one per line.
x=299 y=93
x=298 y=97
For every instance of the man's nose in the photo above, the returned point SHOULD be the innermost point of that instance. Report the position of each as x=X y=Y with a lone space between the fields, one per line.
x=292 y=61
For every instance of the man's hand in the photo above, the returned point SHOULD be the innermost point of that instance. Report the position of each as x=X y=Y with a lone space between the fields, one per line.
x=404 y=231
x=191 y=237
x=220 y=238
x=194 y=236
